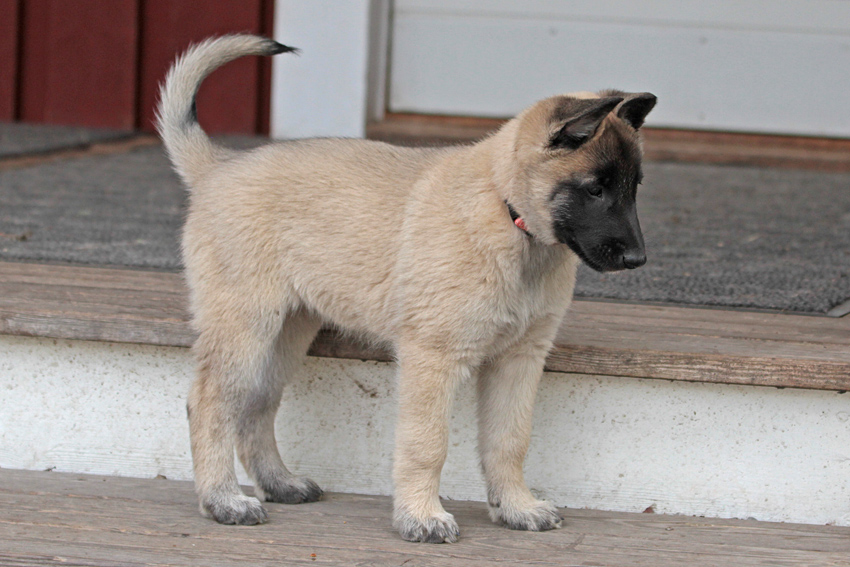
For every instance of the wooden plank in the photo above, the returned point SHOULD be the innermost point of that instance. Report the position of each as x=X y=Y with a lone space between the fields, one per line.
x=71 y=519
x=796 y=152
x=687 y=329
x=9 y=37
x=332 y=344
x=110 y=278
x=78 y=62
x=700 y=367
x=597 y=337
x=228 y=100
x=102 y=304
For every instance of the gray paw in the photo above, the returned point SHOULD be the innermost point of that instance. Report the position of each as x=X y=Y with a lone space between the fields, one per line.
x=289 y=490
x=234 y=509
x=541 y=516
x=440 y=528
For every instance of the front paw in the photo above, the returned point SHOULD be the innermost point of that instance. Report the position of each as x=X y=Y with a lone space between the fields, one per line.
x=537 y=516
x=436 y=528
x=234 y=509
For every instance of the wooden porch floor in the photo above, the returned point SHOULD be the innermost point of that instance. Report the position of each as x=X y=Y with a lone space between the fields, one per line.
x=50 y=518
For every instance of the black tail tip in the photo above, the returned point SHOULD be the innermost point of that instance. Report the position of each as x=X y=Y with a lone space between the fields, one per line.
x=276 y=48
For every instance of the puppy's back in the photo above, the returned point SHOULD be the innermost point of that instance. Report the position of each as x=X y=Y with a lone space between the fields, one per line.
x=324 y=217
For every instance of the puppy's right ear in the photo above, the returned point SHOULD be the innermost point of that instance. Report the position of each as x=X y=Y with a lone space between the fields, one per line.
x=582 y=125
x=635 y=108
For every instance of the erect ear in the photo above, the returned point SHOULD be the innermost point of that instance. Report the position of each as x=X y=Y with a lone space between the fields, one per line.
x=635 y=108
x=581 y=127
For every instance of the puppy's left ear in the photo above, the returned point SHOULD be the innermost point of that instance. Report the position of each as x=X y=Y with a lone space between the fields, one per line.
x=635 y=108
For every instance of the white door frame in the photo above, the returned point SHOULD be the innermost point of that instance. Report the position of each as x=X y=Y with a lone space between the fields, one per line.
x=338 y=82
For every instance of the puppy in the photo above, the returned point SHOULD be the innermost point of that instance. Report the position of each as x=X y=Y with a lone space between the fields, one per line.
x=461 y=259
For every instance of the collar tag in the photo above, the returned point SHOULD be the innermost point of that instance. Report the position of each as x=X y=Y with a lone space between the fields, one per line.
x=520 y=224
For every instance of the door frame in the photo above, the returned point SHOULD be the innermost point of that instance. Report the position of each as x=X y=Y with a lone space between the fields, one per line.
x=338 y=82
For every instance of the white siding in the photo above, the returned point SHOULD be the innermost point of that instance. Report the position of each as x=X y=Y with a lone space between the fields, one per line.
x=744 y=65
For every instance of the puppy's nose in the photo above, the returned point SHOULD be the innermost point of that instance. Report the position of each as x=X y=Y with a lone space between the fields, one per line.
x=634 y=259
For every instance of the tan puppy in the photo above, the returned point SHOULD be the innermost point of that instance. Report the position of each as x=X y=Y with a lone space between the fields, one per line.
x=461 y=259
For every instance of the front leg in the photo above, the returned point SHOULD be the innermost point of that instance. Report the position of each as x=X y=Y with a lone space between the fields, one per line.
x=507 y=387
x=427 y=385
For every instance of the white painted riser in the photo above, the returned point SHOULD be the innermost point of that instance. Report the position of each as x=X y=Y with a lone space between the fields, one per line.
x=599 y=442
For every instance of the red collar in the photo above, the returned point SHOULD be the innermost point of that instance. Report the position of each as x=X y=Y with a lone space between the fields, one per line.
x=517 y=219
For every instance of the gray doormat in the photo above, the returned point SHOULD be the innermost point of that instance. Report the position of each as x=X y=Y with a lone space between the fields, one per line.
x=715 y=235
x=738 y=236
x=18 y=139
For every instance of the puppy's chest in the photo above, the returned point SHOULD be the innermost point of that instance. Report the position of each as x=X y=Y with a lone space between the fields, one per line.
x=535 y=292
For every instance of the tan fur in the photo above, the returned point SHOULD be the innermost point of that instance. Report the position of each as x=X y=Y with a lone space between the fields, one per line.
x=413 y=248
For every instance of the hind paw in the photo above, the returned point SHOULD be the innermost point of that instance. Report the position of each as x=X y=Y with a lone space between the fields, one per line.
x=290 y=490
x=537 y=517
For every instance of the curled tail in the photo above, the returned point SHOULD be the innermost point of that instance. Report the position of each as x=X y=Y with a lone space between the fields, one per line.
x=190 y=149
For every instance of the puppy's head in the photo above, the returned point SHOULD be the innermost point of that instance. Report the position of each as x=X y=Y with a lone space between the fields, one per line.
x=578 y=165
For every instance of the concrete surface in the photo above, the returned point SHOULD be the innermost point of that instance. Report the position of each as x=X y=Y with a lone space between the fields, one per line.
x=738 y=236
x=599 y=442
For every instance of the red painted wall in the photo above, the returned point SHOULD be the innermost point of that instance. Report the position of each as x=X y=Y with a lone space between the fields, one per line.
x=99 y=62
x=9 y=11
x=228 y=99
x=78 y=62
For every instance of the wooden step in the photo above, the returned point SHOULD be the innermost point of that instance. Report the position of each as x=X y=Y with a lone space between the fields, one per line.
x=597 y=337
x=52 y=518
x=660 y=144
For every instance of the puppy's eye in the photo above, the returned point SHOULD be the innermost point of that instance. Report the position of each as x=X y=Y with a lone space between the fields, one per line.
x=595 y=190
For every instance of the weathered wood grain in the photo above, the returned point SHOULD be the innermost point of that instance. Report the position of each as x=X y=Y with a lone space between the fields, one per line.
x=70 y=519
x=87 y=276
x=704 y=345
x=660 y=144
x=597 y=337
x=100 y=304
x=333 y=344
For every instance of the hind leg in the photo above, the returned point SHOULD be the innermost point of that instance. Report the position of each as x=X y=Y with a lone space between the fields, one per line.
x=255 y=438
x=232 y=354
